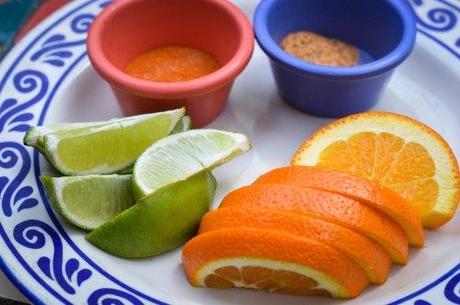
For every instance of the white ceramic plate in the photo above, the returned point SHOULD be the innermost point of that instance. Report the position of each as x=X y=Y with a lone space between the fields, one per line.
x=47 y=79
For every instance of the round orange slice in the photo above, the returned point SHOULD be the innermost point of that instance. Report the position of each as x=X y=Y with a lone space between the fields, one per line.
x=355 y=187
x=370 y=256
x=327 y=206
x=272 y=261
x=399 y=152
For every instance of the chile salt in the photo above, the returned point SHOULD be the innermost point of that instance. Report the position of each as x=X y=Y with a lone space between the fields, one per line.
x=172 y=64
x=320 y=50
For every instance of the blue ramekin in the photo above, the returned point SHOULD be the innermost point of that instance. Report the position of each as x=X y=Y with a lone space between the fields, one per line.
x=383 y=29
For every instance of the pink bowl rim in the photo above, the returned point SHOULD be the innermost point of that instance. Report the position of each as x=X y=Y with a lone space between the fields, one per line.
x=199 y=86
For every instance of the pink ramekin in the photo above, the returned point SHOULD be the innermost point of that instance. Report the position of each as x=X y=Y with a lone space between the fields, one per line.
x=128 y=28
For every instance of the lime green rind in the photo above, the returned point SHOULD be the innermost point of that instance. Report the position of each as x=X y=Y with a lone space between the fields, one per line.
x=77 y=129
x=89 y=201
x=184 y=124
x=34 y=136
x=180 y=156
x=34 y=133
x=106 y=148
x=158 y=223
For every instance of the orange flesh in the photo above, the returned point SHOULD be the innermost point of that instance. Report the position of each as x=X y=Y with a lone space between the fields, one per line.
x=374 y=260
x=355 y=187
x=263 y=278
x=397 y=151
x=326 y=206
x=406 y=168
x=241 y=243
x=172 y=64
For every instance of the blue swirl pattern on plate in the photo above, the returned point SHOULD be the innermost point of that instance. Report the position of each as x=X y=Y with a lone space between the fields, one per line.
x=60 y=267
x=60 y=271
x=440 y=21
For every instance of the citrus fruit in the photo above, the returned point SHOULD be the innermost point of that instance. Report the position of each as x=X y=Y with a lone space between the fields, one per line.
x=157 y=223
x=370 y=256
x=89 y=201
x=272 y=261
x=399 y=152
x=34 y=136
x=109 y=147
x=180 y=156
x=327 y=206
x=355 y=187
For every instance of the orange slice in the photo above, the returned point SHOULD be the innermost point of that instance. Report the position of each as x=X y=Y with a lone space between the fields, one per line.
x=355 y=187
x=270 y=260
x=397 y=151
x=370 y=256
x=326 y=206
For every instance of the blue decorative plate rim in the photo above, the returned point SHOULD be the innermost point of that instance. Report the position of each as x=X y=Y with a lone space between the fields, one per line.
x=71 y=273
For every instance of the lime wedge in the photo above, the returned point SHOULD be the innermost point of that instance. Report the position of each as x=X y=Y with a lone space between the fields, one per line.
x=89 y=201
x=105 y=147
x=34 y=136
x=180 y=156
x=157 y=223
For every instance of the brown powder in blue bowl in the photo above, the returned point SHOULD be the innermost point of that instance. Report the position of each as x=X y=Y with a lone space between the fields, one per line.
x=320 y=50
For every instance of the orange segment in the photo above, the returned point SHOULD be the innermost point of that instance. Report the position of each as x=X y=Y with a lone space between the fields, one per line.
x=272 y=261
x=397 y=151
x=327 y=206
x=354 y=187
x=370 y=256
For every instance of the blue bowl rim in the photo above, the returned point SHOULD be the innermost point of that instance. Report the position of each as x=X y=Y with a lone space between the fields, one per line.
x=374 y=68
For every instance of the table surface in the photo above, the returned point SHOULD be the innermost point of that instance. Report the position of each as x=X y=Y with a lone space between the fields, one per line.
x=8 y=290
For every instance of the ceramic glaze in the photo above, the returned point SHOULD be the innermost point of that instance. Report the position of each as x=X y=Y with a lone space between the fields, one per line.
x=129 y=28
x=385 y=30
